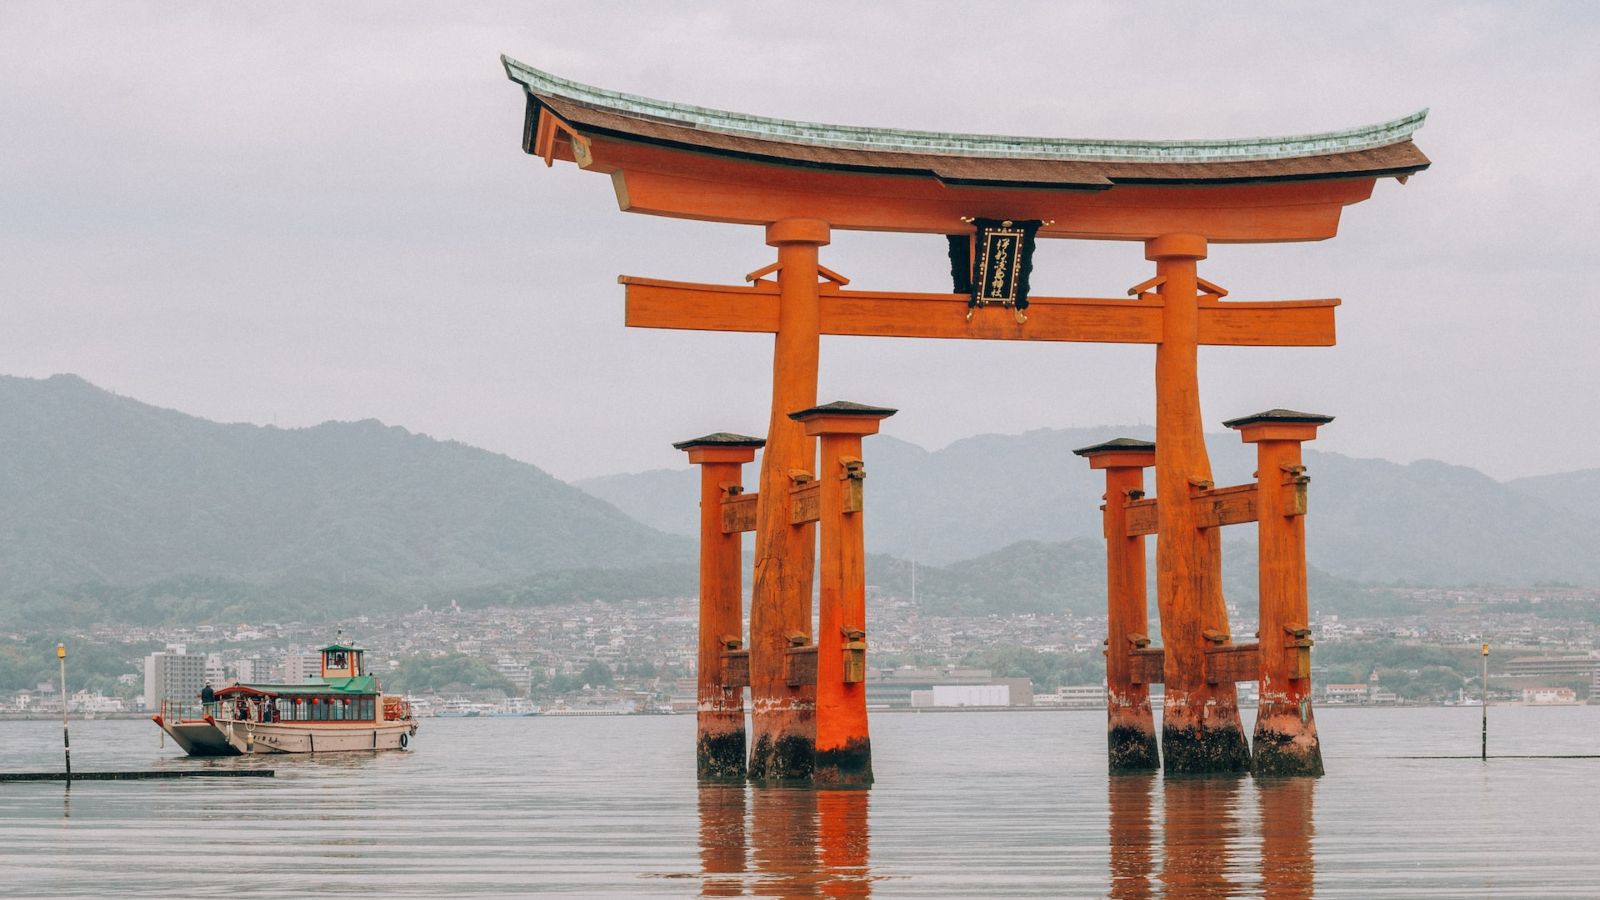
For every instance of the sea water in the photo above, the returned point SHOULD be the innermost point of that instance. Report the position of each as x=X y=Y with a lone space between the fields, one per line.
x=971 y=804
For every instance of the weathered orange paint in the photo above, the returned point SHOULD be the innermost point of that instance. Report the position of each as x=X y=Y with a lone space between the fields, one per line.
x=1201 y=731
x=844 y=747
x=1286 y=741
x=784 y=739
x=1130 y=724
x=720 y=740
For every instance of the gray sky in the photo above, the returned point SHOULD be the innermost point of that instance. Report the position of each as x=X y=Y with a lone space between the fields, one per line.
x=299 y=212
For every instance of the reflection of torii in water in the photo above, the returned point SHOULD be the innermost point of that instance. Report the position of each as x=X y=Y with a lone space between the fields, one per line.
x=801 y=181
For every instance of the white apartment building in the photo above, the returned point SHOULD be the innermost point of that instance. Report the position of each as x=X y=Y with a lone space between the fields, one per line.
x=175 y=676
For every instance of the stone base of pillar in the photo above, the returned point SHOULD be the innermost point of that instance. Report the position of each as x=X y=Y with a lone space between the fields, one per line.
x=1132 y=748
x=847 y=766
x=783 y=758
x=1286 y=745
x=720 y=755
x=1209 y=744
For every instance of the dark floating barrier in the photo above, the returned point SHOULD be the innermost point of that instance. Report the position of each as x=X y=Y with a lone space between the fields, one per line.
x=137 y=776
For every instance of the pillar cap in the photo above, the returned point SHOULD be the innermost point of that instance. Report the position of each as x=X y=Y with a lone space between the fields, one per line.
x=1118 y=445
x=843 y=408
x=720 y=439
x=1279 y=417
x=1175 y=246
x=797 y=231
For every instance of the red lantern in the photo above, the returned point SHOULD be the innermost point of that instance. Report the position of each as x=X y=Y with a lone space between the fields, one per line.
x=316 y=699
x=347 y=701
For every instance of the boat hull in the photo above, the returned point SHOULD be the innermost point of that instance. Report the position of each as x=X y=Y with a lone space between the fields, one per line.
x=211 y=737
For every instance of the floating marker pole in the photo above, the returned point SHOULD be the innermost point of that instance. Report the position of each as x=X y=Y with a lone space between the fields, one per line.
x=1484 y=746
x=66 y=741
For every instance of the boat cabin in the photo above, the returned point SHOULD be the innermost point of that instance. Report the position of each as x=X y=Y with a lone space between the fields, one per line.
x=346 y=693
x=341 y=661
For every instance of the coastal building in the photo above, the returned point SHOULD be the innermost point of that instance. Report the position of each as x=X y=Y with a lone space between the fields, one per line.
x=173 y=675
x=1549 y=696
x=1074 y=696
x=1347 y=693
x=899 y=688
x=1547 y=666
x=298 y=668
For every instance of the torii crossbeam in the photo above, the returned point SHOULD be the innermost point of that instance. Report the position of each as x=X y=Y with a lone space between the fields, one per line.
x=802 y=180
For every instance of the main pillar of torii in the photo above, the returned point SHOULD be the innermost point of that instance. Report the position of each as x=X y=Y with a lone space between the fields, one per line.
x=804 y=181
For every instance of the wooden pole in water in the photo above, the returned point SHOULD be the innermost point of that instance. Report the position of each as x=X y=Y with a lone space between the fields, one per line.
x=66 y=740
x=1483 y=748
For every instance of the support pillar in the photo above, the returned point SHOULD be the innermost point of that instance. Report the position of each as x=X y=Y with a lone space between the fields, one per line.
x=1130 y=725
x=780 y=599
x=844 y=749
x=720 y=739
x=1286 y=740
x=1200 y=729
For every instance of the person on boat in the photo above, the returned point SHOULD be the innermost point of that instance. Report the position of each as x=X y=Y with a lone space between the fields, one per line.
x=208 y=699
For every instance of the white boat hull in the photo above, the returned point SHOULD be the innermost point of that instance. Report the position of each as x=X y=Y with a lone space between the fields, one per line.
x=231 y=738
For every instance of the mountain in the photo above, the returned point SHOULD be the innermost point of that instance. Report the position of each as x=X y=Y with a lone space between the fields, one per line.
x=112 y=501
x=1576 y=493
x=1371 y=520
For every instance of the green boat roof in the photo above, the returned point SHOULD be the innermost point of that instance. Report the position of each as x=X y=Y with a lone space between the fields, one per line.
x=361 y=684
x=340 y=647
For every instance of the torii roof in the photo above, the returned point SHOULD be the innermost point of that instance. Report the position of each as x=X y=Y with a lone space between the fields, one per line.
x=1383 y=149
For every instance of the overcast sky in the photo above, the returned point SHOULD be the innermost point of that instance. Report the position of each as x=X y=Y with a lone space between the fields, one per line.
x=299 y=212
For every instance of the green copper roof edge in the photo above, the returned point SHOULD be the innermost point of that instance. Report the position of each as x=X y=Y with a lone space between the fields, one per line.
x=1349 y=140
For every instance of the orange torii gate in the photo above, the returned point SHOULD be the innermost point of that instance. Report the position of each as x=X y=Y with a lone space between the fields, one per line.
x=993 y=195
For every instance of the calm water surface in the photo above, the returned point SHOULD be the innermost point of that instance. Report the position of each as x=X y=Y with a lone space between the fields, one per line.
x=966 y=805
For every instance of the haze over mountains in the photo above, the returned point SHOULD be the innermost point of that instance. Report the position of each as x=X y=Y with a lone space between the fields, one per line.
x=116 y=510
x=1371 y=520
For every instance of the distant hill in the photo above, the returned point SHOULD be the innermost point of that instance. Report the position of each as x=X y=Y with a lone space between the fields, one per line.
x=1577 y=493
x=113 y=503
x=1371 y=520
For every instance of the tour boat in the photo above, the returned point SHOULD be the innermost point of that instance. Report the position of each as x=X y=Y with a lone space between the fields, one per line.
x=343 y=710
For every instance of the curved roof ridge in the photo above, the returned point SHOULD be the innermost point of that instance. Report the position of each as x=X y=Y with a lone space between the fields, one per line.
x=1382 y=134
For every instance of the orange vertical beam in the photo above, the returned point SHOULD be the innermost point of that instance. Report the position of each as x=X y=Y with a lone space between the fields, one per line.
x=720 y=738
x=780 y=599
x=1200 y=727
x=1286 y=740
x=1130 y=725
x=843 y=747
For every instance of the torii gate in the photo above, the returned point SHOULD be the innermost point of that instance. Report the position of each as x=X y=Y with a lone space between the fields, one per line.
x=801 y=181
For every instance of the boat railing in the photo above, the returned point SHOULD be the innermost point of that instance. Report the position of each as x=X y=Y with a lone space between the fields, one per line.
x=185 y=710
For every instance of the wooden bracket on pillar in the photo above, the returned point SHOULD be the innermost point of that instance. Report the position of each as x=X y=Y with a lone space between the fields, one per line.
x=855 y=472
x=805 y=502
x=1147 y=665
x=739 y=513
x=800 y=662
x=1216 y=507
x=736 y=668
x=1232 y=662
